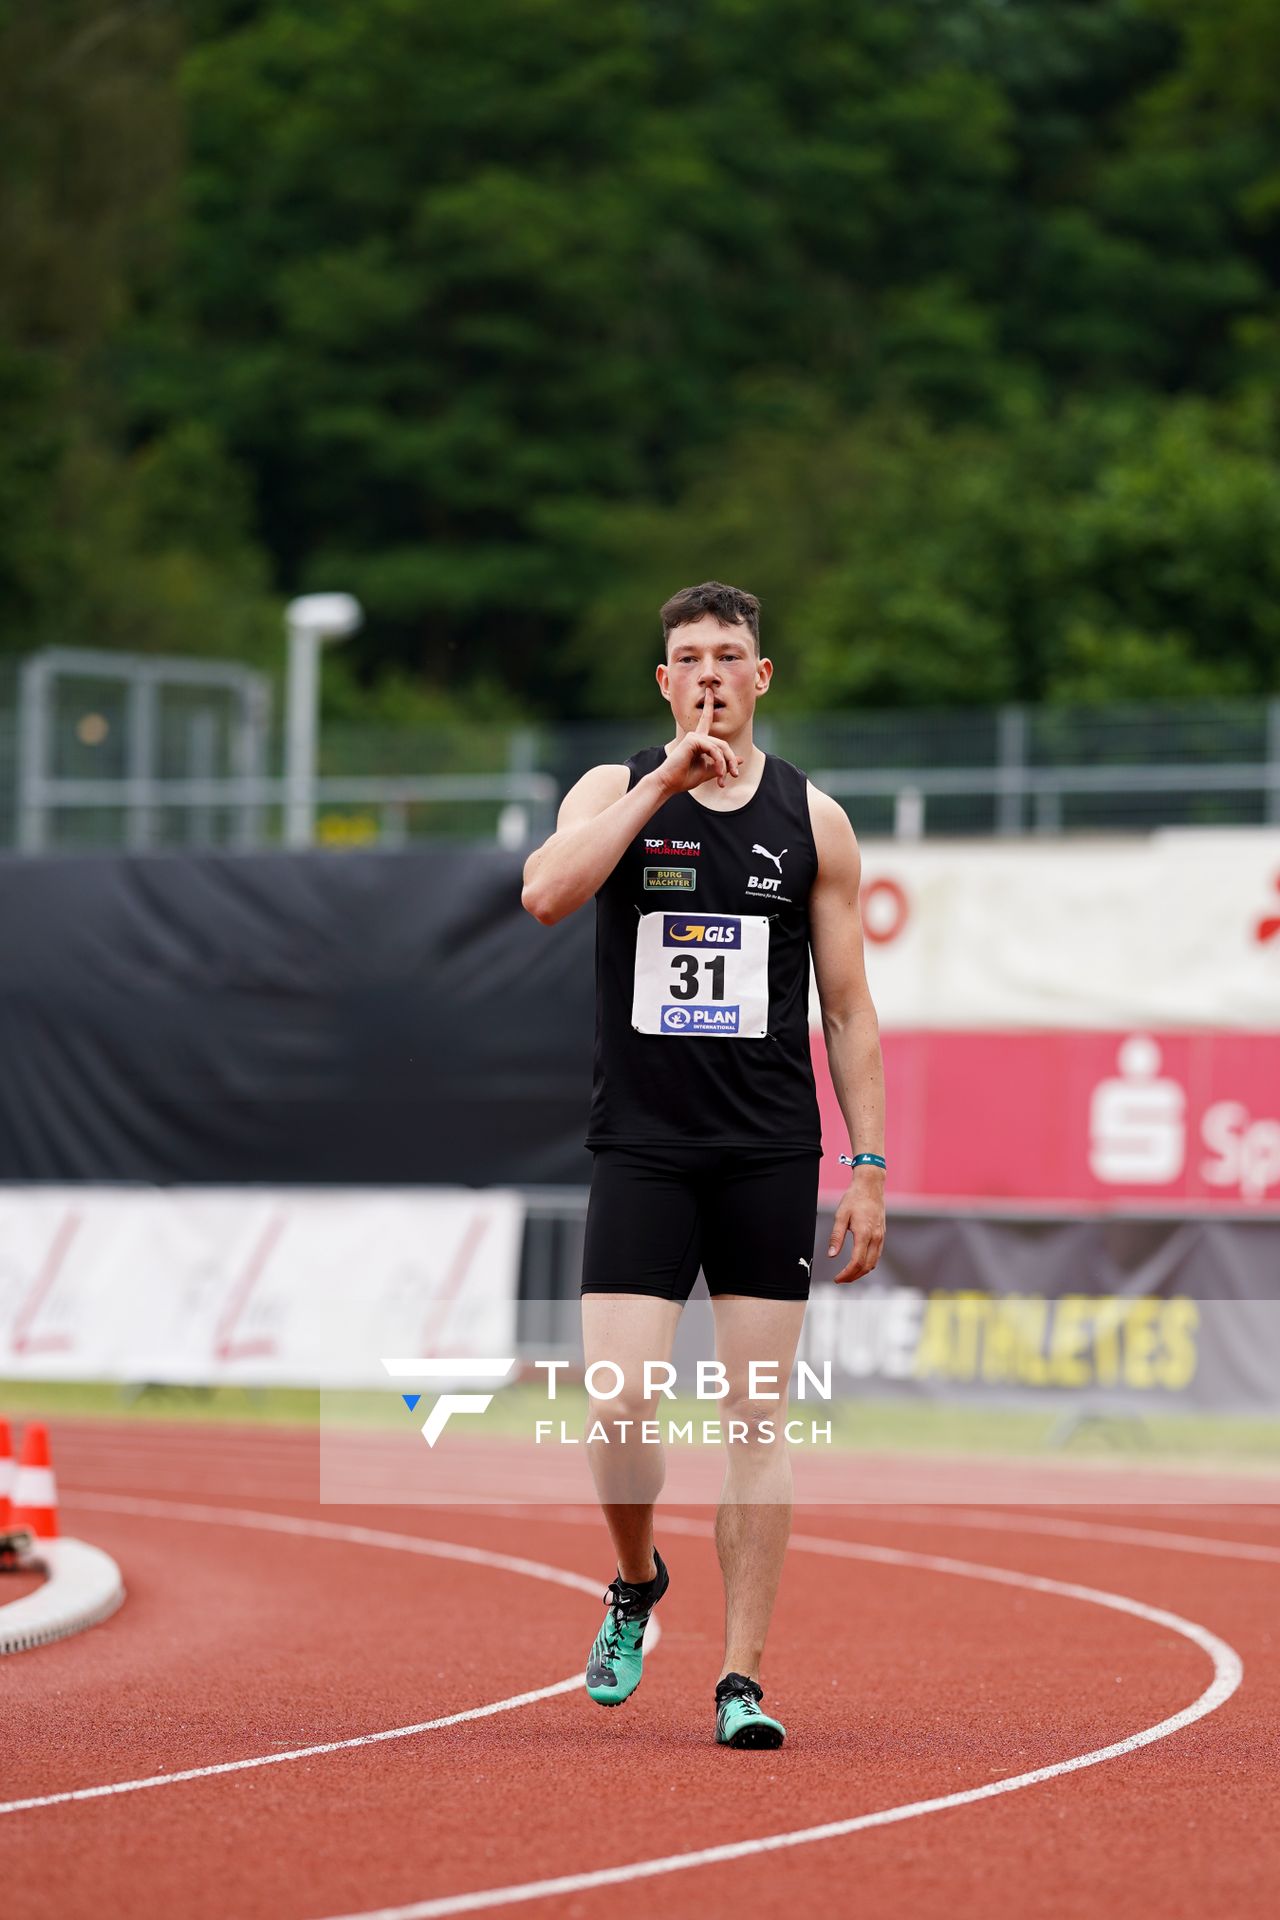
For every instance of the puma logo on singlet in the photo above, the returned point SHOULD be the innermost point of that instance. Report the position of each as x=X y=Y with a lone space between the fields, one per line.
x=766 y=855
x=805 y=1264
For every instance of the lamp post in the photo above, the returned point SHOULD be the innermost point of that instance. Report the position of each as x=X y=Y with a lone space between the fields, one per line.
x=310 y=622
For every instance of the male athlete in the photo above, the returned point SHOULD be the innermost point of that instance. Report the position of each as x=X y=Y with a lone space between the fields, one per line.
x=716 y=868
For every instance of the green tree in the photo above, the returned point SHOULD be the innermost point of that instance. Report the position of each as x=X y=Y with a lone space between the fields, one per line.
x=950 y=325
x=453 y=279
x=105 y=538
x=1119 y=549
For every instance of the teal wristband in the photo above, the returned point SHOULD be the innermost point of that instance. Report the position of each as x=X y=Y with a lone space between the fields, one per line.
x=863 y=1160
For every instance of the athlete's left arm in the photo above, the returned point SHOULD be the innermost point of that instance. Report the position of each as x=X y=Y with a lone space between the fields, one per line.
x=850 y=1026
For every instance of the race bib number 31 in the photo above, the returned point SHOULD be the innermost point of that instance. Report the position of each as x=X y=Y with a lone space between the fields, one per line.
x=702 y=976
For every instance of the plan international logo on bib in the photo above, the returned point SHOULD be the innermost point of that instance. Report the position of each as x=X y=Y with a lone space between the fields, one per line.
x=699 y=1019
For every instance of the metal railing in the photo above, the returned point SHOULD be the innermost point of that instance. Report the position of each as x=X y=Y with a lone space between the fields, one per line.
x=136 y=683
x=527 y=800
x=198 y=774
x=112 y=750
x=1031 y=798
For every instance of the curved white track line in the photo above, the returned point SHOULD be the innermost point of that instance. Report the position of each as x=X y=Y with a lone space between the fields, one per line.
x=1227 y=1665
x=359 y=1536
x=1089 y=1530
x=1228 y=1672
x=979 y=1519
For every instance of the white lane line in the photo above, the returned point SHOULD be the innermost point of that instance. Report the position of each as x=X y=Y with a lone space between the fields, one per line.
x=1227 y=1665
x=324 y=1530
x=265 y=1522
x=980 y=1520
x=1228 y=1672
x=1089 y=1530
x=277 y=1759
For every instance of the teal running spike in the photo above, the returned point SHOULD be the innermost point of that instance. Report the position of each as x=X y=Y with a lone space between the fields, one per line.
x=739 y=1721
x=616 y=1660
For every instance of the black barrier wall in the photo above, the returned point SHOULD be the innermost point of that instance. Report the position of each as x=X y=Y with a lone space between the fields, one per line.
x=359 y=1018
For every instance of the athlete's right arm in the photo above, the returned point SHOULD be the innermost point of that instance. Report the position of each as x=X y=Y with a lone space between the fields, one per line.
x=599 y=819
x=597 y=822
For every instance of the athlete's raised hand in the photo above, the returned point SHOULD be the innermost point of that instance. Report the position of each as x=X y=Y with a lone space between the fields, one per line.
x=698 y=757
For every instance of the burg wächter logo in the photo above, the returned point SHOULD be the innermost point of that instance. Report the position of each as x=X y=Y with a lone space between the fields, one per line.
x=448 y=1403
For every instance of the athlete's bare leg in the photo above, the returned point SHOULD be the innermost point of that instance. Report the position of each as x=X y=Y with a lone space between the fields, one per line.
x=754 y=1517
x=628 y=1329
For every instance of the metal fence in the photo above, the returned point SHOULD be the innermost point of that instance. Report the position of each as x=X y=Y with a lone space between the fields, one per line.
x=108 y=750
x=1013 y=769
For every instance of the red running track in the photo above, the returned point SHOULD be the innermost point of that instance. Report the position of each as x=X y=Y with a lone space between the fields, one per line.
x=900 y=1682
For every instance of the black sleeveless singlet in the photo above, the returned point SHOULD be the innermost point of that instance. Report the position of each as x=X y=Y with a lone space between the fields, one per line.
x=707 y=1087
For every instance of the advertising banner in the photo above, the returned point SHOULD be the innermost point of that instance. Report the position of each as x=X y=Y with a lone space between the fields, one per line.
x=213 y=1287
x=1158 y=1314
x=1076 y=1024
x=1175 y=931
x=1182 y=1120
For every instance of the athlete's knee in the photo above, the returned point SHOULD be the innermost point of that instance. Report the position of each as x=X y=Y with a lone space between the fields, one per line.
x=752 y=1422
x=634 y=1392
x=629 y=1405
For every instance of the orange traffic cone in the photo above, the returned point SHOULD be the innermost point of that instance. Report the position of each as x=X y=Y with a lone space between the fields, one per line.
x=6 y=1475
x=35 y=1493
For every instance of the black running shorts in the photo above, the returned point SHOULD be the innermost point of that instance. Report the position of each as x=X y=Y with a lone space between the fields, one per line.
x=657 y=1214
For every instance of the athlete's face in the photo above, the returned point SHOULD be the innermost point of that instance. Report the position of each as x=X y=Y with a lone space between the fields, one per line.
x=704 y=658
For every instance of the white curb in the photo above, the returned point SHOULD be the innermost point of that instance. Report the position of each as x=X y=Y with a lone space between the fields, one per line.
x=84 y=1586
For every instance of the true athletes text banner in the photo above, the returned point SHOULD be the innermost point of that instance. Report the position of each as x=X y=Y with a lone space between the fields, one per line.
x=1103 y=1314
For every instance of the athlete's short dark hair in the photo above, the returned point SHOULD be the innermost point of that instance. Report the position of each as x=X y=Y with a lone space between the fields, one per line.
x=730 y=605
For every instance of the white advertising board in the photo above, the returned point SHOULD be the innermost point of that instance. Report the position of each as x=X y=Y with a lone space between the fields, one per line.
x=1175 y=930
x=286 y=1287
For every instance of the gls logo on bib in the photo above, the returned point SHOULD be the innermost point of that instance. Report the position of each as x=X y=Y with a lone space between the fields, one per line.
x=679 y=932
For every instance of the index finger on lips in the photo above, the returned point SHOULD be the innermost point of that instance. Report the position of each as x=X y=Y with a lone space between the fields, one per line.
x=705 y=717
